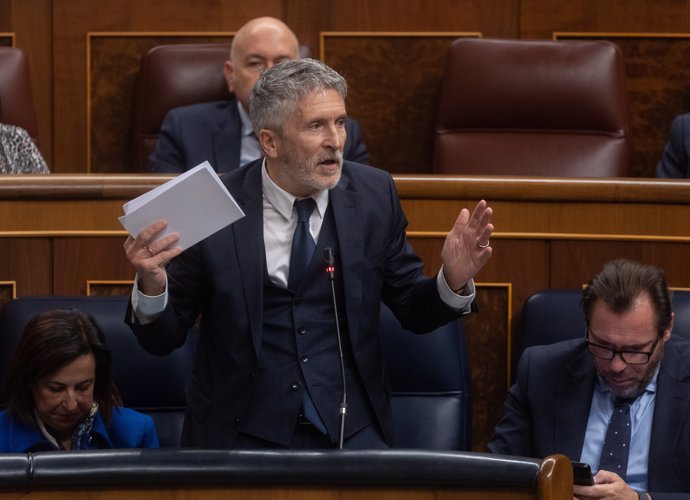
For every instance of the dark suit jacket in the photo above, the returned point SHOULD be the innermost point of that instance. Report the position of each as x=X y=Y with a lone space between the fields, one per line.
x=221 y=278
x=212 y=131
x=548 y=407
x=675 y=160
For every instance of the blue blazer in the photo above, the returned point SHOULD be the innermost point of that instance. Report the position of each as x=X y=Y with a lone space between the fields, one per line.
x=128 y=429
x=548 y=408
x=222 y=278
x=212 y=131
x=675 y=160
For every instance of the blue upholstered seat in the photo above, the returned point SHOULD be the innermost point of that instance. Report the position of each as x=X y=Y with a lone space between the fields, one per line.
x=553 y=315
x=430 y=379
x=150 y=384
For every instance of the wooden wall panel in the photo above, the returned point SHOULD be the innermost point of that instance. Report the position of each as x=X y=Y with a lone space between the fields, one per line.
x=538 y=19
x=495 y=18
x=398 y=113
x=114 y=60
x=73 y=20
x=6 y=39
x=26 y=261
x=80 y=260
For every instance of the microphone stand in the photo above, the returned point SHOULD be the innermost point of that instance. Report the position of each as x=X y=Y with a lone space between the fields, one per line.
x=342 y=412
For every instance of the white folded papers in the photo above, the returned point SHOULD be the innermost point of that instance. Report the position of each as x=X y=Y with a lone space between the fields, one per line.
x=196 y=204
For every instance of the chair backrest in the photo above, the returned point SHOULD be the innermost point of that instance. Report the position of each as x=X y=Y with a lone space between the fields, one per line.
x=518 y=107
x=430 y=379
x=553 y=315
x=177 y=75
x=150 y=384
x=171 y=76
x=16 y=98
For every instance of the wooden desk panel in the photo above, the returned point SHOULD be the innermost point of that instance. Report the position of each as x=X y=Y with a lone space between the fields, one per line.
x=58 y=232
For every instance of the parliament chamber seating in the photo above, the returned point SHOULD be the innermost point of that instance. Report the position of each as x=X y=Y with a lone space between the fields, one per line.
x=516 y=107
x=171 y=76
x=16 y=98
x=430 y=375
x=553 y=315
x=290 y=474
x=150 y=384
x=177 y=75
x=430 y=380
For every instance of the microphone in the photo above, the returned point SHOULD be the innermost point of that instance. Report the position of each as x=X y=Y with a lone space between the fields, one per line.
x=329 y=259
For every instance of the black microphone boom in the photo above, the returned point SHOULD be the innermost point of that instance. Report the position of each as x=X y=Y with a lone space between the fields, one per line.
x=330 y=269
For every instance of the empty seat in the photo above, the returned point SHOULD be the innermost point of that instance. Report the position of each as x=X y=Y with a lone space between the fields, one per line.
x=430 y=379
x=15 y=91
x=518 y=107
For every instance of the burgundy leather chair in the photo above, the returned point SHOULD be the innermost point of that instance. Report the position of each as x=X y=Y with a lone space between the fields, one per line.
x=173 y=76
x=16 y=99
x=517 y=107
x=177 y=75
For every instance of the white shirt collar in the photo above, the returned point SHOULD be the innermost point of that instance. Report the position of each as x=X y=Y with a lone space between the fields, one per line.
x=283 y=201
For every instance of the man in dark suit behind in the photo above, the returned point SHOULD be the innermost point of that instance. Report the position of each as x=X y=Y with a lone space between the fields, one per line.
x=221 y=131
x=267 y=373
x=565 y=392
x=675 y=160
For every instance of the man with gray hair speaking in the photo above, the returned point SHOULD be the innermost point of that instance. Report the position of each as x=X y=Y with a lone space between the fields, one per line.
x=267 y=373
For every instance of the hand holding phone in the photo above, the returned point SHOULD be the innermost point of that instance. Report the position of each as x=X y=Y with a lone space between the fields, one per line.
x=582 y=474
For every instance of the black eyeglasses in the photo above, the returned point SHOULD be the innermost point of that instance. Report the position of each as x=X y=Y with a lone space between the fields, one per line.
x=629 y=357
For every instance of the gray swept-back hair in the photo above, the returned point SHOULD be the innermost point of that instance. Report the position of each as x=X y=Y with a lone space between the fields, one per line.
x=282 y=87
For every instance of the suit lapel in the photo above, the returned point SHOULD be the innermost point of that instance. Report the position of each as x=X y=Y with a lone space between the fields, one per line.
x=344 y=203
x=575 y=386
x=249 y=245
x=227 y=140
x=670 y=412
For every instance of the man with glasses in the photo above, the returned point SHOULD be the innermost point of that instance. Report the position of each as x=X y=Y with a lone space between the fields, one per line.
x=617 y=399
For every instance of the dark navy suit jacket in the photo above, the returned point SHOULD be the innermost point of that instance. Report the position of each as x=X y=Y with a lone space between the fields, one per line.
x=548 y=407
x=212 y=131
x=675 y=160
x=222 y=278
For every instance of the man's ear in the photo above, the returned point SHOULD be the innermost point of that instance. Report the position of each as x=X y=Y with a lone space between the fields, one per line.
x=228 y=73
x=269 y=141
x=667 y=333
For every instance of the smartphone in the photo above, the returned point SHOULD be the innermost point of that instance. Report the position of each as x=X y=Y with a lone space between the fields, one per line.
x=582 y=474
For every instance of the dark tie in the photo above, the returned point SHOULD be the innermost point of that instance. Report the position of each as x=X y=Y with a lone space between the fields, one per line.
x=302 y=251
x=614 y=454
x=302 y=243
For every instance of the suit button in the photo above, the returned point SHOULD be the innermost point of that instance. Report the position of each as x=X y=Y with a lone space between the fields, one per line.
x=304 y=358
x=237 y=421
x=295 y=387
x=298 y=301
x=301 y=330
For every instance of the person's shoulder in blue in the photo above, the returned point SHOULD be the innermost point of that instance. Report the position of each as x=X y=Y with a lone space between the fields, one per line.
x=127 y=429
x=675 y=160
x=60 y=394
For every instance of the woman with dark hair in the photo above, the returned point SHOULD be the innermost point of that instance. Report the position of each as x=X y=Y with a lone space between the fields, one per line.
x=59 y=391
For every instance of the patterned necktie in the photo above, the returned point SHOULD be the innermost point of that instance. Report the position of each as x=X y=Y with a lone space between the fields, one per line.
x=614 y=454
x=302 y=243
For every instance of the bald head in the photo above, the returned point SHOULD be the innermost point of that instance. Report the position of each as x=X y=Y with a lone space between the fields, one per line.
x=259 y=44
